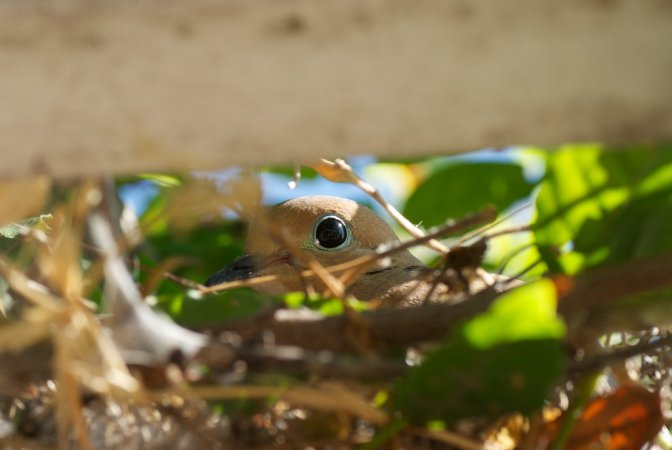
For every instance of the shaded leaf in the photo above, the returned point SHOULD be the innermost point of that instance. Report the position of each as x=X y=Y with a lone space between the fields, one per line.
x=461 y=381
x=502 y=361
x=464 y=187
x=214 y=309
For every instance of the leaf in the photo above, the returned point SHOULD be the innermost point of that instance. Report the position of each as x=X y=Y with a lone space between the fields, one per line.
x=22 y=198
x=214 y=309
x=325 y=306
x=307 y=173
x=460 y=381
x=625 y=420
x=609 y=206
x=13 y=230
x=528 y=312
x=502 y=361
x=162 y=179
x=205 y=249
x=464 y=187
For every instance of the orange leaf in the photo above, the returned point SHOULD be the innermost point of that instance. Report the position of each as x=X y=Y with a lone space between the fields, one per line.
x=623 y=420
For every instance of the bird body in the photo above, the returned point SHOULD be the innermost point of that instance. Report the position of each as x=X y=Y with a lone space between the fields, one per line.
x=332 y=231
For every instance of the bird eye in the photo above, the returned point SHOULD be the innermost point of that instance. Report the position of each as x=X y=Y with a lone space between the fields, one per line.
x=330 y=233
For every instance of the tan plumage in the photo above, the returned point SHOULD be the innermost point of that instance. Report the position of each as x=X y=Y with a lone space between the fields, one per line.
x=303 y=222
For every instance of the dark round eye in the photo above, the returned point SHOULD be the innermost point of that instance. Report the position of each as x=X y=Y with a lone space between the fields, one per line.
x=331 y=232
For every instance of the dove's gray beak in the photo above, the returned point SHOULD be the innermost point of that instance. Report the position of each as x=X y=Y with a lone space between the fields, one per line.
x=240 y=269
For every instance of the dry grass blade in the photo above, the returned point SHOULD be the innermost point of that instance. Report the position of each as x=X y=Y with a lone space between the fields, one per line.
x=325 y=398
x=201 y=199
x=452 y=439
x=29 y=289
x=69 y=405
x=22 y=198
x=157 y=275
x=59 y=260
x=33 y=328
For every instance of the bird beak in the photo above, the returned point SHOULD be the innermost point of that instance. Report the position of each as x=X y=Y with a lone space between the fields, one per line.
x=247 y=266
x=240 y=269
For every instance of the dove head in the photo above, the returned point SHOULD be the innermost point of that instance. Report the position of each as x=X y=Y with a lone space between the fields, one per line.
x=332 y=230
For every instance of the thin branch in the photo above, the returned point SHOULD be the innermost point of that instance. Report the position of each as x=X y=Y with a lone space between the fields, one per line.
x=365 y=261
x=339 y=171
x=481 y=230
x=509 y=257
x=605 y=359
x=505 y=231
x=602 y=287
x=388 y=328
x=289 y=359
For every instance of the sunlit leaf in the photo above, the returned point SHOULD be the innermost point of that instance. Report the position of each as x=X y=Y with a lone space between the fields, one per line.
x=13 y=230
x=528 y=312
x=598 y=206
x=162 y=179
x=325 y=306
x=464 y=187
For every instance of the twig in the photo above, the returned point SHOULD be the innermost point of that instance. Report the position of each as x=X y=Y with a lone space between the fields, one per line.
x=448 y=437
x=145 y=268
x=388 y=328
x=605 y=359
x=508 y=258
x=325 y=398
x=525 y=270
x=296 y=169
x=593 y=295
x=290 y=359
x=340 y=172
x=481 y=230
x=363 y=262
x=505 y=231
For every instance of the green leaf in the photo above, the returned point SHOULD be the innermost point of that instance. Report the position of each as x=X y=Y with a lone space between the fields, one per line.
x=597 y=206
x=462 y=188
x=162 y=179
x=213 y=309
x=503 y=361
x=307 y=173
x=528 y=312
x=325 y=306
x=459 y=381
x=13 y=230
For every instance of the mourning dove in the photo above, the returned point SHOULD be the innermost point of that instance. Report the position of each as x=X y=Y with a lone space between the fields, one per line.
x=332 y=230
